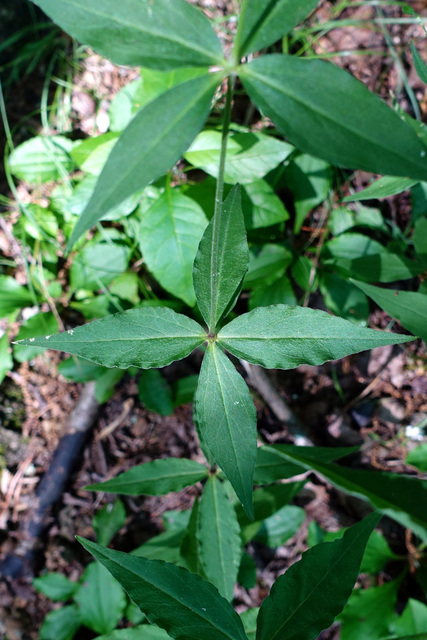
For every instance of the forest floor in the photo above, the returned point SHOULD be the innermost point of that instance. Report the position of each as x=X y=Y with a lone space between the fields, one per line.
x=371 y=399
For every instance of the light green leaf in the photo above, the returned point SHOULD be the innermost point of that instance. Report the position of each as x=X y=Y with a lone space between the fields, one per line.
x=218 y=537
x=38 y=325
x=169 y=234
x=154 y=478
x=97 y=264
x=60 y=624
x=282 y=337
x=326 y=112
x=266 y=21
x=147 y=337
x=267 y=266
x=419 y=64
x=160 y=35
x=41 y=159
x=108 y=521
x=406 y=306
x=350 y=246
x=383 y=267
x=344 y=298
x=342 y=219
x=12 y=296
x=279 y=292
x=383 y=188
x=369 y=612
x=101 y=600
x=282 y=525
x=91 y=154
x=150 y=145
x=261 y=206
x=418 y=457
x=227 y=420
x=377 y=554
x=55 y=586
x=6 y=362
x=221 y=261
x=154 y=392
x=141 y=632
x=250 y=156
x=413 y=619
x=184 y=605
x=249 y=619
x=398 y=496
x=83 y=192
x=308 y=597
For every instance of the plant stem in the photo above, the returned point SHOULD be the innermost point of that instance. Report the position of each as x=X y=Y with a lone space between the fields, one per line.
x=219 y=197
x=235 y=55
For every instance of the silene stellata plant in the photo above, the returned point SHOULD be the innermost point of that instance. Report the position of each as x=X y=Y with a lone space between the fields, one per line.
x=320 y=110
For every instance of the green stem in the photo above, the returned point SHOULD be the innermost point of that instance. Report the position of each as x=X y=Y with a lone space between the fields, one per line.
x=219 y=197
x=235 y=56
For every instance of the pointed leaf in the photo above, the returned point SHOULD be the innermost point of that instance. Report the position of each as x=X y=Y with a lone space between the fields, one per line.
x=282 y=337
x=169 y=234
x=326 y=112
x=190 y=551
x=227 y=420
x=221 y=261
x=401 y=497
x=160 y=35
x=12 y=296
x=147 y=337
x=419 y=64
x=149 y=146
x=180 y=602
x=383 y=188
x=408 y=307
x=219 y=538
x=154 y=478
x=266 y=21
x=108 y=521
x=312 y=592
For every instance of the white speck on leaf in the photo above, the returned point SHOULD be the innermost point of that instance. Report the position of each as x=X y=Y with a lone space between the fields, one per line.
x=203 y=609
x=32 y=339
x=47 y=337
x=422 y=154
x=70 y=331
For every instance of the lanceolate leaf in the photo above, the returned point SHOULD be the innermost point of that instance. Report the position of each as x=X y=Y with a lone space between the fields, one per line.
x=183 y=604
x=154 y=478
x=149 y=146
x=283 y=337
x=420 y=65
x=145 y=338
x=159 y=35
x=227 y=421
x=220 y=265
x=382 y=188
x=169 y=235
x=401 y=497
x=408 y=307
x=266 y=21
x=326 y=112
x=312 y=592
x=219 y=538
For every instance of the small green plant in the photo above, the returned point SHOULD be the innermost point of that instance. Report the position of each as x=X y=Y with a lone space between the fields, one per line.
x=325 y=113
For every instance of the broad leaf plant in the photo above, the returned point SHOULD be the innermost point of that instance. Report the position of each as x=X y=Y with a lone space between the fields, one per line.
x=323 y=111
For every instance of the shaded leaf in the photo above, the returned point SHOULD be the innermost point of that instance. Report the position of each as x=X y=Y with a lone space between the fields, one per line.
x=147 y=337
x=101 y=600
x=41 y=159
x=279 y=527
x=108 y=520
x=60 y=624
x=12 y=296
x=383 y=188
x=154 y=392
x=55 y=586
x=419 y=64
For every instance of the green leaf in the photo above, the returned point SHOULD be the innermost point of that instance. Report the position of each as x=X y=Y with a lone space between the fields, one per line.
x=418 y=457
x=383 y=188
x=169 y=234
x=154 y=392
x=160 y=35
x=282 y=337
x=419 y=238
x=227 y=420
x=105 y=384
x=90 y=155
x=406 y=306
x=369 y=612
x=190 y=548
x=37 y=325
x=261 y=206
x=218 y=537
x=282 y=525
x=306 y=599
x=267 y=266
x=249 y=619
x=154 y=478
x=167 y=125
x=95 y=266
x=141 y=632
x=419 y=64
x=344 y=298
x=108 y=521
x=100 y=599
x=166 y=546
x=41 y=159
x=147 y=337
x=250 y=156
x=398 y=496
x=350 y=246
x=342 y=219
x=413 y=619
x=55 y=586
x=221 y=261
x=266 y=21
x=383 y=267
x=377 y=554
x=6 y=362
x=60 y=624
x=12 y=296
x=183 y=604
x=326 y=112
x=279 y=292
x=247 y=577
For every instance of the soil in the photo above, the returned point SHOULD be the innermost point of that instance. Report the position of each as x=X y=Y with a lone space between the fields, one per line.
x=367 y=399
